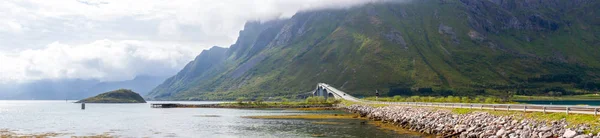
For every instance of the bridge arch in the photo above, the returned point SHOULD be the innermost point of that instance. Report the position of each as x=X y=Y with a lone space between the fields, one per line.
x=325 y=91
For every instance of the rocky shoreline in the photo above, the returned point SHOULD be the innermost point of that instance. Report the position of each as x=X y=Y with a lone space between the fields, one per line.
x=445 y=123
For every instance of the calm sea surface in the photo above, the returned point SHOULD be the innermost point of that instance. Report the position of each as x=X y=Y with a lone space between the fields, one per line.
x=139 y=120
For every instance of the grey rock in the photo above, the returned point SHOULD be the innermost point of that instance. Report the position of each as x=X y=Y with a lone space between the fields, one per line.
x=460 y=128
x=525 y=134
x=546 y=135
x=582 y=136
x=396 y=37
x=544 y=129
x=471 y=129
x=569 y=133
x=500 y=132
x=447 y=30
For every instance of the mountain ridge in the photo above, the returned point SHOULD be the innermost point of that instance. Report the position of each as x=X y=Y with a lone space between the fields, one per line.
x=74 y=88
x=429 y=47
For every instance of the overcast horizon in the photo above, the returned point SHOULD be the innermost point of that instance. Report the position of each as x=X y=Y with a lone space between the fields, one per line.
x=118 y=40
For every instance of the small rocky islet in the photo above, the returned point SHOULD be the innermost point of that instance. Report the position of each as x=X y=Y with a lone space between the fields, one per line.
x=116 y=96
x=472 y=125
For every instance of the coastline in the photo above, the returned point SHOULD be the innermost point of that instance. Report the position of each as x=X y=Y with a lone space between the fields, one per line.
x=466 y=123
x=446 y=123
x=366 y=121
x=241 y=106
x=437 y=121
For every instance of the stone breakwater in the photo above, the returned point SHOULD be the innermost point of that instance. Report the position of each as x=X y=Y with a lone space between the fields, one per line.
x=445 y=123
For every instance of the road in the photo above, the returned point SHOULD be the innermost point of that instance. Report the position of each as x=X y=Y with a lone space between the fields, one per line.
x=568 y=109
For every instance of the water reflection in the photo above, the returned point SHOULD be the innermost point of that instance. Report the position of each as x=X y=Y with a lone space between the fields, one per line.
x=139 y=120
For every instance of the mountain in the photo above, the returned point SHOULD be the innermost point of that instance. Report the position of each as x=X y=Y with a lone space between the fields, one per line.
x=116 y=96
x=74 y=88
x=419 y=47
x=141 y=84
x=48 y=90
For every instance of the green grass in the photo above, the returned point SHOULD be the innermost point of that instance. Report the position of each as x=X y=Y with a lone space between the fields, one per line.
x=570 y=97
x=439 y=99
x=572 y=119
x=259 y=102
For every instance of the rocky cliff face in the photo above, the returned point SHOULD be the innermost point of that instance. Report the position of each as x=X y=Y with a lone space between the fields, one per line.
x=426 y=47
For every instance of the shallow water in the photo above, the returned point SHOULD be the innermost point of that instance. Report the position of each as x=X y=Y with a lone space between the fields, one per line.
x=139 y=120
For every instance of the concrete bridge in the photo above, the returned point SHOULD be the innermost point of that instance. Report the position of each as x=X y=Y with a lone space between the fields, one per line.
x=331 y=92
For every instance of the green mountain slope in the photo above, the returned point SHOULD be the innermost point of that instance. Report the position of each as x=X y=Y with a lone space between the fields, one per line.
x=425 y=47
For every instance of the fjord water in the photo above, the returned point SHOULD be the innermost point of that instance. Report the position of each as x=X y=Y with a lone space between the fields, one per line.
x=139 y=120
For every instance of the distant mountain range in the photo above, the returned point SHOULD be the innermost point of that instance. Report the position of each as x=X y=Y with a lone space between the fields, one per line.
x=421 y=47
x=74 y=89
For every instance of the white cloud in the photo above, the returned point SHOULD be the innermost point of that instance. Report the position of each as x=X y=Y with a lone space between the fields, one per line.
x=104 y=60
x=169 y=29
x=11 y=27
x=118 y=39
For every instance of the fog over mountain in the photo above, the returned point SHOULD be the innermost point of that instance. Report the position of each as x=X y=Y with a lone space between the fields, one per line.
x=110 y=41
x=424 y=48
x=118 y=40
x=74 y=89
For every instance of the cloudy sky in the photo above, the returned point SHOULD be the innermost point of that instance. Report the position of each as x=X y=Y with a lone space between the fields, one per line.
x=113 y=40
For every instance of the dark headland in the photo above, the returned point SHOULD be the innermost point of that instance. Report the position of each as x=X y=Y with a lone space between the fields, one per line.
x=116 y=96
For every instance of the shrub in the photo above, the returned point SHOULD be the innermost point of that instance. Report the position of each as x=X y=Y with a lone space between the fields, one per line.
x=333 y=101
x=285 y=100
x=490 y=100
x=316 y=100
x=430 y=99
x=477 y=100
x=240 y=100
x=465 y=100
x=449 y=99
x=321 y=99
x=398 y=98
x=310 y=99
x=413 y=99
x=259 y=100
x=440 y=99
x=456 y=99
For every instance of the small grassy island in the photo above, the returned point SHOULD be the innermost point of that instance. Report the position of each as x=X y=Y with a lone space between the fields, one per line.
x=116 y=96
